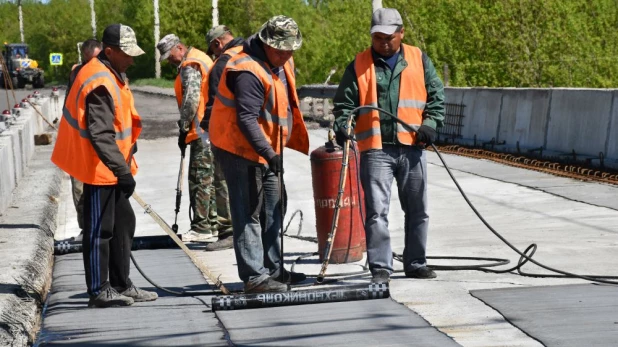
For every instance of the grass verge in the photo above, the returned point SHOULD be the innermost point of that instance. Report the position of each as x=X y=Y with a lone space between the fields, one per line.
x=161 y=83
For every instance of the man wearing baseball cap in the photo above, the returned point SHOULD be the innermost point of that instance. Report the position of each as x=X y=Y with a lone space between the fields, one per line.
x=402 y=80
x=257 y=99
x=223 y=45
x=191 y=89
x=96 y=142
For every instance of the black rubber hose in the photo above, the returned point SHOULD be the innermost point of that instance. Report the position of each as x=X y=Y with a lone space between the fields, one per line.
x=524 y=257
x=181 y=293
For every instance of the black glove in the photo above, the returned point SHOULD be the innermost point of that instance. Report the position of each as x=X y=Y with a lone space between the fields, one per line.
x=426 y=135
x=204 y=124
x=275 y=164
x=182 y=141
x=341 y=137
x=126 y=183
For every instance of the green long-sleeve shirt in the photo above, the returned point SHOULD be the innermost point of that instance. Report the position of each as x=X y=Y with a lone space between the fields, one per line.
x=388 y=82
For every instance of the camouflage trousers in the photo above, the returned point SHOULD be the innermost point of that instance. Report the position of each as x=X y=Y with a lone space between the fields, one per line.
x=224 y=218
x=201 y=188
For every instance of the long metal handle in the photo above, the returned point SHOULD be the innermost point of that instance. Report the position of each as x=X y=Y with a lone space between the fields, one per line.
x=179 y=191
x=281 y=212
x=335 y=222
x=180 y=244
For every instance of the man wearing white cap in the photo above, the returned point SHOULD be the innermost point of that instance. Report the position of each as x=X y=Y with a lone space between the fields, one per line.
x=96 y=142
x=401 y=80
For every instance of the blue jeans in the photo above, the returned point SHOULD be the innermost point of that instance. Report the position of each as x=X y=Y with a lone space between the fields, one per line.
x=256 y=217
x=408 y=165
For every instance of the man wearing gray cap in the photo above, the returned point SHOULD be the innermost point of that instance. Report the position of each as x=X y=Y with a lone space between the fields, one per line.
x=223 y=45
x=257 y=99
x=402 y=80
x=191 y=89
x=96 y=142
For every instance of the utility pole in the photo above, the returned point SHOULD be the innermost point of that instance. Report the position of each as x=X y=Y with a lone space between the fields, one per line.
x=375 y=4
x=93 y=20
x=156 y=39
x=21 y=22
x=215 y=13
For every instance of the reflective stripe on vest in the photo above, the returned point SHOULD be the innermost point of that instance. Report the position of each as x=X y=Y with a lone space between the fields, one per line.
x=231 y=52
x=412 y=98
x=73 y=151
x=203 y=61
x=273 y=112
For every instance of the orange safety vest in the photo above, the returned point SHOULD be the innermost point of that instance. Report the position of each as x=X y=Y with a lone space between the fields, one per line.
x=203 y=61
x=224 y=130
x=73 y=152
x=230 y=52
x=412 y=98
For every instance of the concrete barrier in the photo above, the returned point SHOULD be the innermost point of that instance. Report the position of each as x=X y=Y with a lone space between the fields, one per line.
x=7 y=172
x=17 y=143
x=524 y=117
x=15 y=152
x=561 y=120
x=578 y=120
x=481 y=114
x=611 y=143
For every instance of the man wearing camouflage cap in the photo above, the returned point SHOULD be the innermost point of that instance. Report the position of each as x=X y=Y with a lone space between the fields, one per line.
x=402 y=80
x=96 y=142
x=223 y=45
x=256 y=100
x=191 y=89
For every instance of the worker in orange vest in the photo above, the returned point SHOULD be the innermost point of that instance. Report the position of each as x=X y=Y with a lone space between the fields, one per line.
x=191 y=89
x=89 y=49
x=402 y=80
x=223 y=45
x=256 y=98
x=96 y=141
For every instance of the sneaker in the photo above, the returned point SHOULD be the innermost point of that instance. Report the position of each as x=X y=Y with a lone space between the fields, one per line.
x=267 y=286
x=290 y=277
x=140 y=295
x=109 y=298
x=381 y=276
x=226 y=243
x=421 y=272
x=193 y=236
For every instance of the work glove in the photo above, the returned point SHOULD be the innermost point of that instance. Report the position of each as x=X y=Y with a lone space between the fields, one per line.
x=426 y=135
x=341 y=137
x=275 y=164
x=126 y=183
x=204 y=124
x=182 y=141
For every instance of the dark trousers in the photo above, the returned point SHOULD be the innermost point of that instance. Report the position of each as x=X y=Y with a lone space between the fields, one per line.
x=109 y=226
x=256 y=216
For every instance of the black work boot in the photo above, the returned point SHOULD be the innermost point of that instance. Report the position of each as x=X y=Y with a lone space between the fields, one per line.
x=139 y=295
x=109 y=298
x=267 y=286
x=421 y=272
x=226 y=243
x=380 y=276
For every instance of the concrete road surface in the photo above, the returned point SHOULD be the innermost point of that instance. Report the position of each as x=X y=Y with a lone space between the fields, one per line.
x=572 y=222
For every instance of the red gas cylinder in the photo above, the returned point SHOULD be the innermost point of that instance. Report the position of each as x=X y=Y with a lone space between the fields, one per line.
x=349 y=242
